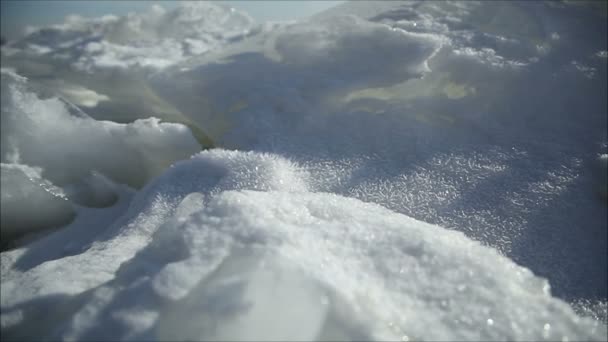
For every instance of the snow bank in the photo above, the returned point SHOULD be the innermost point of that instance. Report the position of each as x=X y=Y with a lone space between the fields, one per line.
x=194 y=259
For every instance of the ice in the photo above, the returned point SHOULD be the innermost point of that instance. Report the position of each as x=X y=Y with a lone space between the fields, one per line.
x=154 y=39
x=476 y=138
x=43 y=133
x=82 y=96
x=603 y=175
x=383 y=171
x=498 y=139
x=349 y=49
x=292 y=96
x=46 y=148
x=102 y=63
x=30 y=202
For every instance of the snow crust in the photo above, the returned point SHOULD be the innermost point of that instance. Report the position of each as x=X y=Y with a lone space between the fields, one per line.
x=194 y=259
x=338 y=138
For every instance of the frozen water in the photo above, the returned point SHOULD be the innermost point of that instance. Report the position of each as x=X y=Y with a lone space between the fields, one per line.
x=486 y=120
x=43 y=133
x=30 y=202
x=498 y=139
x=154 y=39
x=45 y=147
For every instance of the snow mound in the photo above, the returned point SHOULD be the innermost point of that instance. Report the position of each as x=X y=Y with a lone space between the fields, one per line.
x=194 y=259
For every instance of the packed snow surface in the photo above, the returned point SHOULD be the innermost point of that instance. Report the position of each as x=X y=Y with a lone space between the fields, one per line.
x=380 y=171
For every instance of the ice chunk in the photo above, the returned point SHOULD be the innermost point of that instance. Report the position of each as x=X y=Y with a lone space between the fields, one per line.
x=603 y=175
x=495 y=141
x=93 y=190
x=81 y=96
x=30 y=203
x=349 y=49
x=253 y=97
x=43 y=133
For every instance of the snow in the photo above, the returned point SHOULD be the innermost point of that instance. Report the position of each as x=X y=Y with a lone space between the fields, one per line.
x=82 y=96
x=603 y=175
x=382 y=171
x=154 y=39
x=242 y=260
x=45 y=146
x=23 y=190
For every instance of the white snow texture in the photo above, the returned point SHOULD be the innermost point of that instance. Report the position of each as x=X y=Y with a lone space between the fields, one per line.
x=380 y=171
